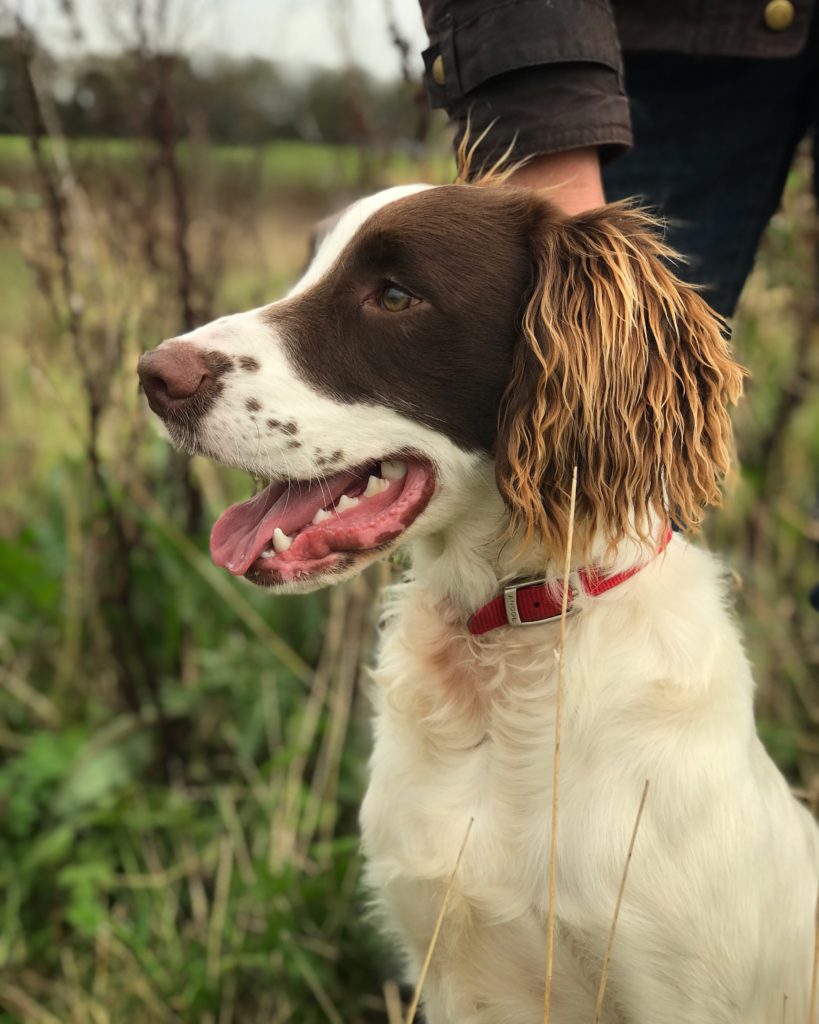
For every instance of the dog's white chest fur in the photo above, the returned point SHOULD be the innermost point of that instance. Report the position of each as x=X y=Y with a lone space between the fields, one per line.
x=657 y=688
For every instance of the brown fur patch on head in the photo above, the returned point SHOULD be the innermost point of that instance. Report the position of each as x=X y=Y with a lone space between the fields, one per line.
x=621 y=370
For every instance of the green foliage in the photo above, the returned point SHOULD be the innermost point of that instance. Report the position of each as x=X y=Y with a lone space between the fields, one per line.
x=148 y=835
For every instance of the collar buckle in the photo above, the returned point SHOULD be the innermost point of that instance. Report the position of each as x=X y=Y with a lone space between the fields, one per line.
x=510 y=601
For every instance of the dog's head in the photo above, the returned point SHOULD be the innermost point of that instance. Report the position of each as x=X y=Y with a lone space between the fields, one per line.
x=439 y=329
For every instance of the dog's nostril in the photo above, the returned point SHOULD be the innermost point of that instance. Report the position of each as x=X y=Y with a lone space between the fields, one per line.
x=183 y=383
x=172 y=373
x=154 y=384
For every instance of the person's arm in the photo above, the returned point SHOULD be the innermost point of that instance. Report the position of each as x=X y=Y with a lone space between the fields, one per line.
x=543 y=77
x=572 y=179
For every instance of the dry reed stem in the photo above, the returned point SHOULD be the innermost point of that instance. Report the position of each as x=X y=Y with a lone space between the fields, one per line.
x=314 y=984
x=319 y=815
x=18 y=1001
x=814 y=980
x=598 y=1009
x=422 y=977
x=564 y=605
x=219 y=909
x=284 y=828
x=139 y=982
x=40 y=706
x=392 y=1002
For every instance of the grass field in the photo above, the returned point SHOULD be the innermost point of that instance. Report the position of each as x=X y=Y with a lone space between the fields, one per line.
x=181 y=757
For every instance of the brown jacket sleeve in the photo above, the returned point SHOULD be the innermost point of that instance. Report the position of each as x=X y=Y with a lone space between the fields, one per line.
x=546 y=72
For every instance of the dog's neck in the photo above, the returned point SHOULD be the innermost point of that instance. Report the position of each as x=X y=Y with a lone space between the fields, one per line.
x=469 y=562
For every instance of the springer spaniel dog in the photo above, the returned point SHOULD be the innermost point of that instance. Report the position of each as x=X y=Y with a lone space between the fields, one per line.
x=448 y=358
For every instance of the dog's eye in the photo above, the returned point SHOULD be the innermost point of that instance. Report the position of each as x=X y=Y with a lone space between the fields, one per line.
x=396 y=300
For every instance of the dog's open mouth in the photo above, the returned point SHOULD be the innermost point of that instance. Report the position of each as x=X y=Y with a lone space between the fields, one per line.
x=293 y=530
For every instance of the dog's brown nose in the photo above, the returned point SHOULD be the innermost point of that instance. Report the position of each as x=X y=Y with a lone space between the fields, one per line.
x=171 y=374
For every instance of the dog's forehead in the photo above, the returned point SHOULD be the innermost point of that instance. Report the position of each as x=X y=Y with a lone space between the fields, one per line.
x=348 y=224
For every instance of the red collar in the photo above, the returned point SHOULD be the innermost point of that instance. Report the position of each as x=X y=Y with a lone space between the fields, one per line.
x=532 y=602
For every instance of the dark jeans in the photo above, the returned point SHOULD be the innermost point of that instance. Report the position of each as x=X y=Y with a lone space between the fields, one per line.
x=713 y=141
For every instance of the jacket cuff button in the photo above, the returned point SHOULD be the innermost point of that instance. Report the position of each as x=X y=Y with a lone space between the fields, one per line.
x=778 y=15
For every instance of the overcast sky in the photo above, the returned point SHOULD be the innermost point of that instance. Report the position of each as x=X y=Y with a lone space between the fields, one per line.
x=295 y=32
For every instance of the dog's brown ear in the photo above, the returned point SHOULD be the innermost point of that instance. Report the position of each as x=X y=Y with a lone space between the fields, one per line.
x=621 y=370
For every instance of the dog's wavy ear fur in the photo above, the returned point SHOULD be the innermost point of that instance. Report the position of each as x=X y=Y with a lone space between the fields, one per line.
x=621 y=370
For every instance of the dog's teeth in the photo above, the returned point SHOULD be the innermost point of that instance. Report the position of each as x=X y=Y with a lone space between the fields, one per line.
x=393 y=470
x=281 y=542
x=320 y=516
x=269 y=553
x=345 y=502
x=375 y=485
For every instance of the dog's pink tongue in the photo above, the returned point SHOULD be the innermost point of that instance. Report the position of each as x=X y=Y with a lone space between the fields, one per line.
x=241 y=533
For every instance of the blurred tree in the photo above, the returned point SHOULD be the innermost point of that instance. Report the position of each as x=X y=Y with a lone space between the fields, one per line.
x=244 y=101
x=8 y=75
x=229 y=100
